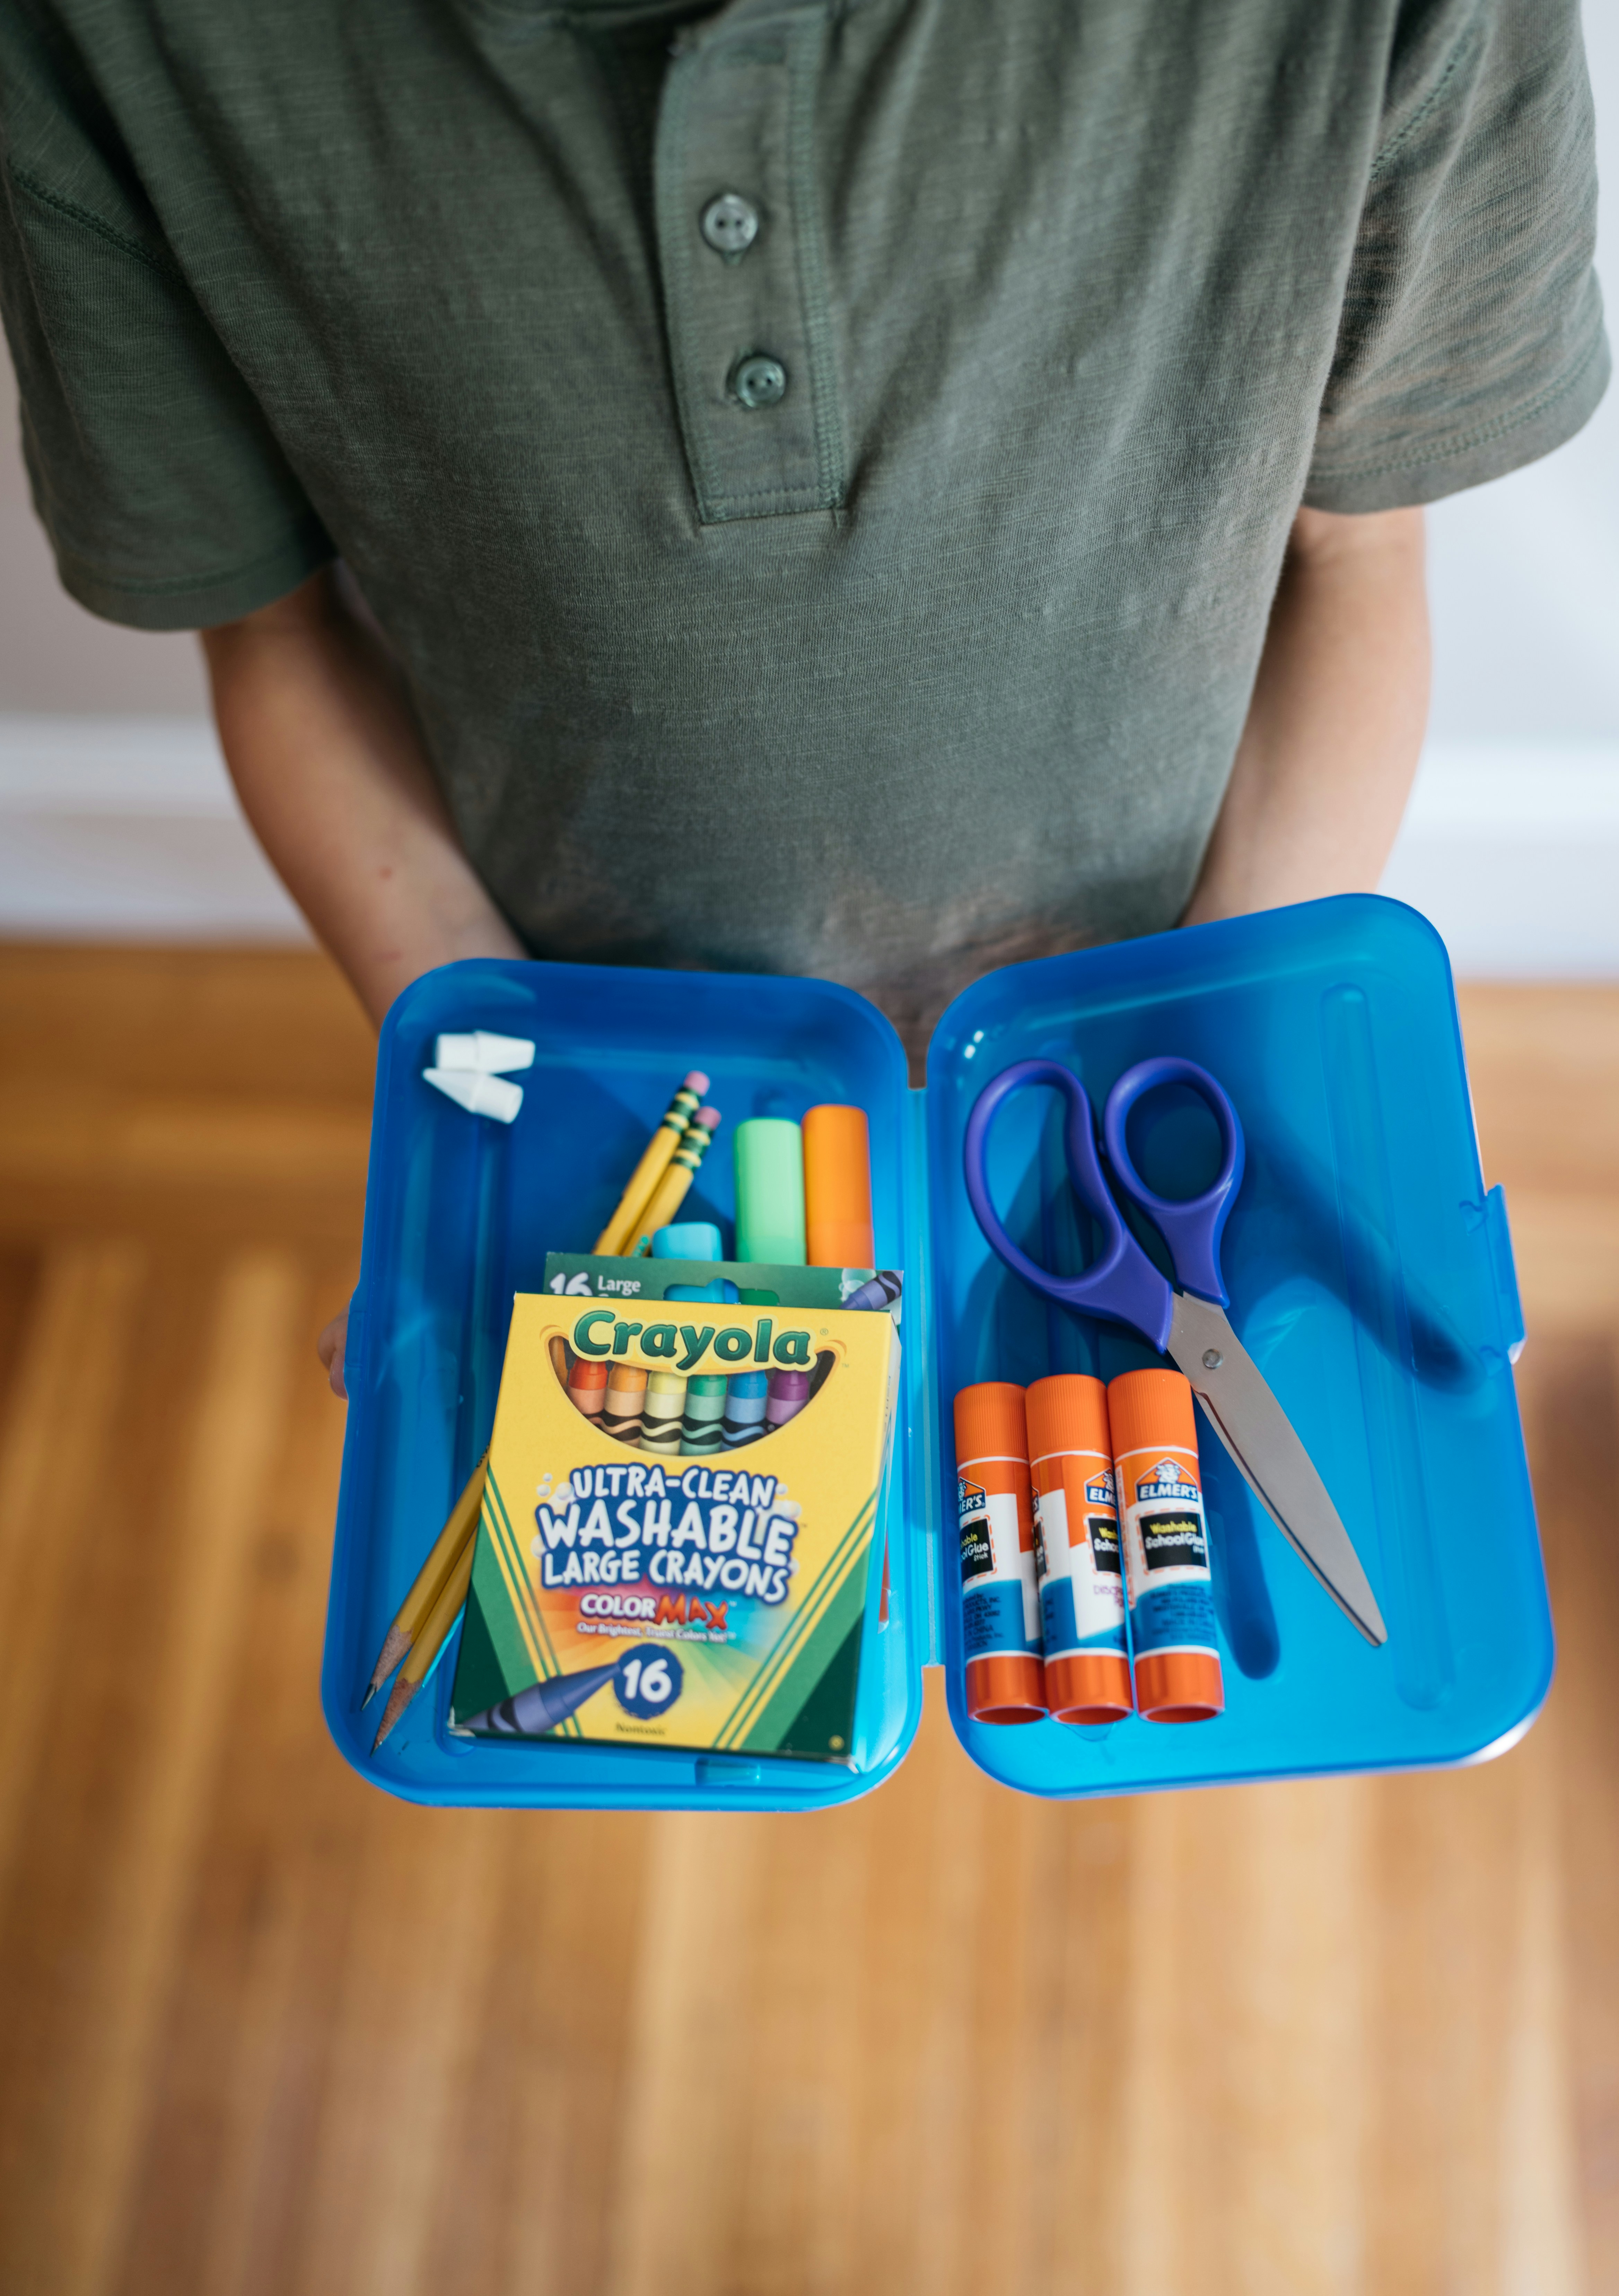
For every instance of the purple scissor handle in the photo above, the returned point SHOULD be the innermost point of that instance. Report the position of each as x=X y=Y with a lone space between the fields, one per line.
x=1121 y=1285
x=1185 y=1320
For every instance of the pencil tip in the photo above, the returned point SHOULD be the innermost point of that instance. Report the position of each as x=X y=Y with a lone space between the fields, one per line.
x=398 y=1698
x=387 y=1657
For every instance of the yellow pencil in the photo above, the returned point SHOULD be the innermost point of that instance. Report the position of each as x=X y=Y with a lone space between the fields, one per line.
x=413 y=1611
x=665 y=1199
x=428 y=1642
x=654 y=1159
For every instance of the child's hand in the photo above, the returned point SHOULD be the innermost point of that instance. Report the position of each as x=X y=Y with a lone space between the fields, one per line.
x=330 y=1348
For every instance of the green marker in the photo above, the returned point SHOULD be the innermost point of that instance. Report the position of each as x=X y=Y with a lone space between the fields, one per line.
x=770 y=1192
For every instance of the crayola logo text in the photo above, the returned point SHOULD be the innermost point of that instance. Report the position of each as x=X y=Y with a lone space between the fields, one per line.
x=603 y=1331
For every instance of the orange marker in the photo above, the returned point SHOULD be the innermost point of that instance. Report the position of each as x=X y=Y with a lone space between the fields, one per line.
x=1172 y=1604
x=1076 y=1550
x=1000 y=1598
x=838 y=1188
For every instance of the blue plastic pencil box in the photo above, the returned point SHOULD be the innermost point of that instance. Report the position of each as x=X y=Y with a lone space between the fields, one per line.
x=1371 y=1279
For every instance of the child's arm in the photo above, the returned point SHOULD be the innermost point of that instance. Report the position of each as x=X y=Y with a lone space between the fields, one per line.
x=1336 y=724
x=330 y=770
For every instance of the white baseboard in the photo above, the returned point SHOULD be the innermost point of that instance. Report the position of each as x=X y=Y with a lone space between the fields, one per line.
x=127 y=829
x=1513 y=852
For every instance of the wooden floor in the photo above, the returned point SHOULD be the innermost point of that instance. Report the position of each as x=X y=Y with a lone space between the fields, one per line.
x=264 y=2032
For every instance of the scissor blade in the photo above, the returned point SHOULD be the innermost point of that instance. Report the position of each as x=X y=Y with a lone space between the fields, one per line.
x=1275 y=1465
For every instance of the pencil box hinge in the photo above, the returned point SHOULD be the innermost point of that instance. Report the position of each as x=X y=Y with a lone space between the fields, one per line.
x=923 y=1381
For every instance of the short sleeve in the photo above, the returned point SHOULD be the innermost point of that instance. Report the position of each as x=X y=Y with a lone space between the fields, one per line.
x=167 y=500
x=1471 y=340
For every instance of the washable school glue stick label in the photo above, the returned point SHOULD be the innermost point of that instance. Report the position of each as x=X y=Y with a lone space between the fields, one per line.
x=1076 y=1550
x=1000 y=1592
x=1165 y=1539
x=998 y=1572
x=1076 y=1558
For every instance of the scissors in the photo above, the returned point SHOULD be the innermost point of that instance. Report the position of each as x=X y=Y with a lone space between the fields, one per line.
x=1185 y=1320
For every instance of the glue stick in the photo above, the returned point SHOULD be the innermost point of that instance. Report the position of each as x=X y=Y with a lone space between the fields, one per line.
x=1076 y=1550
x=1166 y=1574
x=1000 y=1598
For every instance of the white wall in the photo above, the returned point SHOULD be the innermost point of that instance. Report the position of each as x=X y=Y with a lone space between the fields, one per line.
x=115 y=817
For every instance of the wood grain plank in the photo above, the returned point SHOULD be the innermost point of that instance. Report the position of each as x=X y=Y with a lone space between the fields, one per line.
x=54 y=1469
x=231 y=1456
x=229 y=2145
x=1571 y=1391
x=178 y=1019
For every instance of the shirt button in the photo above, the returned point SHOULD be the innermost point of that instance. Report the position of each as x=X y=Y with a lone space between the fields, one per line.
x=758 y=379
x=730 y=225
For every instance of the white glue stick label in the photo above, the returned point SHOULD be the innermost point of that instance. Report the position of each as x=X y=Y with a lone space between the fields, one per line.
x=998 y=1578
x=1077 y=1552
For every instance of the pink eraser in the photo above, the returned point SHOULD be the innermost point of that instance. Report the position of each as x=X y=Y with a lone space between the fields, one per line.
x=696 y=1081
x=708 y=1117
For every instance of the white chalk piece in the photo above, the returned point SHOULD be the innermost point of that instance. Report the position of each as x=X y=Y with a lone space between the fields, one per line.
x=483 y=1053
x=485 y=1095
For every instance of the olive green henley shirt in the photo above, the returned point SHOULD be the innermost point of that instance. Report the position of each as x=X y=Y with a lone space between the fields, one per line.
x=823 y=465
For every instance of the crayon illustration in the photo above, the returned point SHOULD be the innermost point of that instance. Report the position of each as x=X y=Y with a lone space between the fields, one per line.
x=624 y=1402
x=838 y=1188
x=789 y=1392
x=587 y=1384
x=1000 y=1598
x=1178 y=1676
x=878 y=1290
x=1076 y=1550
x=663 y=1410
x=615 y=1236
x=542 y=1705
x=745 y=1407
x=702 y=1429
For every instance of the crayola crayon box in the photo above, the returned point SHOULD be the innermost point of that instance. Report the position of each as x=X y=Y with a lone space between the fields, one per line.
x=715 y=1603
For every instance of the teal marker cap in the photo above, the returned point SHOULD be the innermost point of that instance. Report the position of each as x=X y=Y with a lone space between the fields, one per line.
x=769 y=1153
x=689 y=1240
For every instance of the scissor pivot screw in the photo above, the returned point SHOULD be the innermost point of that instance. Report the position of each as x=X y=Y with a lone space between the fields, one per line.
x=1212 y=1359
